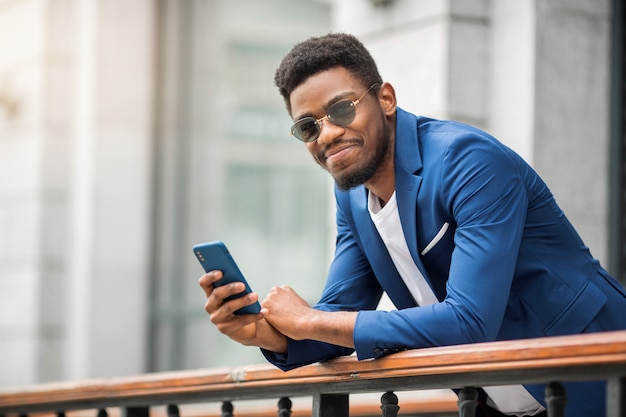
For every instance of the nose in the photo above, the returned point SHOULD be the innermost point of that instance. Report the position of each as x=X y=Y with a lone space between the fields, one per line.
x=328 y=132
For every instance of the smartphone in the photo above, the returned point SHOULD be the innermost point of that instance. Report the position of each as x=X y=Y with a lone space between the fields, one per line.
x=215 y=256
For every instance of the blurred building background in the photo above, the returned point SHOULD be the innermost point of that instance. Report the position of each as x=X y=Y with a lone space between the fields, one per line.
x=130 y=130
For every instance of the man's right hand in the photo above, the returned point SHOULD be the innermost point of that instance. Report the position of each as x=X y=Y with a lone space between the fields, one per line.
x=247 y=329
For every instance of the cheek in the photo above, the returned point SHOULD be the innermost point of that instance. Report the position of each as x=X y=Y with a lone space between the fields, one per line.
x=312 y=148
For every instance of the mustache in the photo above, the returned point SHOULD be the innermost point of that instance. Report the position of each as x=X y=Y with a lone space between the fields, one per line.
x=321 y=154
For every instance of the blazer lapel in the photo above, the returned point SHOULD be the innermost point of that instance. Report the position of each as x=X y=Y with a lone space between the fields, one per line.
x=408 y=163
x=376 y=252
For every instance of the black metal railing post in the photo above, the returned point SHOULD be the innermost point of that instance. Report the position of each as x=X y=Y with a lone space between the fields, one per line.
x=173 y=411
x=468 y=400
x=135 y=412
x=284 y=407
x=330 y=405
x=389 y=404
x=556 y=398
x=227 y=409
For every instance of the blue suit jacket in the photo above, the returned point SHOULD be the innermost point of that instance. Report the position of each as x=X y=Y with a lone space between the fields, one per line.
x=509 y=265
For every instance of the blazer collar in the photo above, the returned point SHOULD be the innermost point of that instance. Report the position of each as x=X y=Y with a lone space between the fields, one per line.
x=407 y=154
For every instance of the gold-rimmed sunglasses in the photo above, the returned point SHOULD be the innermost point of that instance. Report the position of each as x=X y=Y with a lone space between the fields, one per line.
x=340 y=113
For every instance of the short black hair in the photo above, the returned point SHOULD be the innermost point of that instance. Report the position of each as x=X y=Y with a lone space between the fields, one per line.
x=322 y=53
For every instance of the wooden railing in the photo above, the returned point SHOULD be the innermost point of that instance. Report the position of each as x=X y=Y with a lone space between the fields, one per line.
x=546 y=360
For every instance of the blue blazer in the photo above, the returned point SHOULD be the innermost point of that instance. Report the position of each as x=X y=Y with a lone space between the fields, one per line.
x=488 y=237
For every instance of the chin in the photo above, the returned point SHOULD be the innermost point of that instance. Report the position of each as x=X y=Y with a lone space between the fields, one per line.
x=349 y=181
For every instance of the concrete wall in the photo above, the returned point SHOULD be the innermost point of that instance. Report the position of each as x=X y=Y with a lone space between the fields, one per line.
x=535 y=73
x=571 y=111
x=75 y=167
x=35 y=130
x=108 y=257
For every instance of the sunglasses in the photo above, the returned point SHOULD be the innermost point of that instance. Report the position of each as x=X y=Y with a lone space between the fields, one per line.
x=340 y=113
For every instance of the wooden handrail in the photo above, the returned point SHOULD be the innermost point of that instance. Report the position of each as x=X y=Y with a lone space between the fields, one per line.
x=564 y=358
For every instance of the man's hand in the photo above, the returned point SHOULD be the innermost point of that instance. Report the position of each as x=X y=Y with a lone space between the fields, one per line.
x=291 y=315
x=288 y=312
x=247 y=329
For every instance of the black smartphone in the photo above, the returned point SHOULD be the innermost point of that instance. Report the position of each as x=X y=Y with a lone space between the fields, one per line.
x=215 y=256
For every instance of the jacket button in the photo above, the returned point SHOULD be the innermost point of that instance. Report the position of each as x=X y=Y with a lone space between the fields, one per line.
x=378 y=351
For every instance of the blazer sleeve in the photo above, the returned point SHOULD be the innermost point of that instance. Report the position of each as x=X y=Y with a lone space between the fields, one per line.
x=481 y=184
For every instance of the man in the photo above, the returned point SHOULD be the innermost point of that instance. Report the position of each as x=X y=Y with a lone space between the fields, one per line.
x=456 y=228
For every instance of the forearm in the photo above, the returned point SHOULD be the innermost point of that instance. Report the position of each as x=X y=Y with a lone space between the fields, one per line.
x=289 y=314
x=336 y=327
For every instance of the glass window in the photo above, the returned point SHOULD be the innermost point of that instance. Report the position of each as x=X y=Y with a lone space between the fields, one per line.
x=226 y=169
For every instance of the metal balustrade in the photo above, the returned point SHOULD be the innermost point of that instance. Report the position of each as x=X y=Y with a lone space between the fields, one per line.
x=599 y=356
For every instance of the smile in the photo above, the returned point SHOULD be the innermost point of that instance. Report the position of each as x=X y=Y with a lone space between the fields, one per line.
x=338 y=154
x=339 y=151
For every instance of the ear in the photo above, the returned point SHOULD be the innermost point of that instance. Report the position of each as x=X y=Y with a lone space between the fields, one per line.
x=387 y=99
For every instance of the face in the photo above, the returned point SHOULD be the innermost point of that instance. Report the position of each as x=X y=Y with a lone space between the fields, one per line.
x=356 y=153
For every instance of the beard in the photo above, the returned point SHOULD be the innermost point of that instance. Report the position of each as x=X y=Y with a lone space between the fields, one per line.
x=370 y=167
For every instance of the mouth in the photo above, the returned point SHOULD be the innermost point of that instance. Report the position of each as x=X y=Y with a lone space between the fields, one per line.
x=333 y=154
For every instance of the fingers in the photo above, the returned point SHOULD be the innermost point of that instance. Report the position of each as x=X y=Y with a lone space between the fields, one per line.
x=206 y=281
x=229 y=324
x=241 y=328
x=229 y=308
x=216 y=296
x=283 y=295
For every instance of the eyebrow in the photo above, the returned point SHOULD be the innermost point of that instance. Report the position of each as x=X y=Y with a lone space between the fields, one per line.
x=333 y=100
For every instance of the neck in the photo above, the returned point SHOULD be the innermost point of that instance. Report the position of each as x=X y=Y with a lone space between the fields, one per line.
x=383 y=184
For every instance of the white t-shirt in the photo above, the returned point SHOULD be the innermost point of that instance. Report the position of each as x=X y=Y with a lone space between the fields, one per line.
x=509 y=399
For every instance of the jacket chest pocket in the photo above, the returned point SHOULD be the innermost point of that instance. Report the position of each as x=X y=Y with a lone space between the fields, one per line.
x=437 y=253
x=442 y=240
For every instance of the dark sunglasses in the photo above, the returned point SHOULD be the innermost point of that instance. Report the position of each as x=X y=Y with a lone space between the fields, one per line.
x=340 y=113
